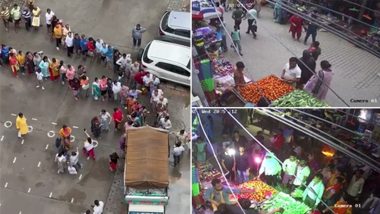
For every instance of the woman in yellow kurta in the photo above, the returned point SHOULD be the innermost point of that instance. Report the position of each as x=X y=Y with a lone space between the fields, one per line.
x=21 y=125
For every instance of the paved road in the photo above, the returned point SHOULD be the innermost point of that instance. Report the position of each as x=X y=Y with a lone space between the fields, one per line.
x=356 y=71
x=28 y=179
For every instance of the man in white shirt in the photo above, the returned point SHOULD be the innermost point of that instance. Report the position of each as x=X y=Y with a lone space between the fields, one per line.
x=49 y=17
x=289 y=167
x=302 y=173
x=291 y=72
x=147 y=79
x=271 y=168
x=98 y=208
x=177 y=152
x=164 y=101
x=165 y=123
x=355 y=187
x=122 y=62
x=314 y=191
x=156 y=94
x=74 y=160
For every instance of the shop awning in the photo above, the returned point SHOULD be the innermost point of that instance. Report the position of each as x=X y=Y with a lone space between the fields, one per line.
x=146 y=162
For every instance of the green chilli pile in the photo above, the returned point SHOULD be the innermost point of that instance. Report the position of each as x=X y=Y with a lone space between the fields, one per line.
x=298 y=98
x=285 y=201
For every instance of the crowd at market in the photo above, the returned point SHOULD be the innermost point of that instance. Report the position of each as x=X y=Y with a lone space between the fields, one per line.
x=123 y=88
x=287 y=164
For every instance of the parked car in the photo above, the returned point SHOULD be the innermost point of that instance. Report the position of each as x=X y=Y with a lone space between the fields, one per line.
x=167 y=60
x=176 y=24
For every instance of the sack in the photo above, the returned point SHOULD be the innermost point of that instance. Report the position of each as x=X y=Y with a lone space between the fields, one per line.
x=72 y=170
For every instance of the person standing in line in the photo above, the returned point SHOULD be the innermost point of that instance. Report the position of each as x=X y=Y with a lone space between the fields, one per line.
x=177 y=152
x=61 y=162
x=311 y=29
x=48 y=18
x=319 y=83
x=36 y=20
x=69 y=42
x=76 y=42
x=307 y=65
x=105 y=120
x=95 y=89
x=44 y=67
x=252 y=22
x=117 y=118
x=137 y=35
x=40 y=79
x=98 y=207
x=54 y=69
x=235 y=35
x=27 y=15
x=237 y=16
x=296 y=23
x=57 y=34
x=16 y=15
x=21 y=58
x=5 y=16
x=62 y=71
x=13 y=64
x=103 y=87
x=29 y=64
x=70 y=72
x=85 y=84
x=313 y=193
x=21 y=125
x=75 y=87
x=165 y=123
x=116 y=88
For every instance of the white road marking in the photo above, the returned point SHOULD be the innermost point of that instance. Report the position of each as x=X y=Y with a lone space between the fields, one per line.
x=95 y=142
x=30 y=129
x=72 y=138
x=22 y=141
x=20 y=212
x=54 y=123
x=47 y=146
x=39 y=164
x=14 y=160
x=51 y=134
x=80 y=176
x=13 y=114
x=35 y=119
x=2 y=138
x=0 y=204
x=6 y=184
x=72 y=200
x=7 y=124
x=51 y=193
x=29 y=190
x=75 y=127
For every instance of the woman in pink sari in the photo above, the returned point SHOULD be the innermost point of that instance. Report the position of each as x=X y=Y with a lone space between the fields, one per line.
x=319 y=83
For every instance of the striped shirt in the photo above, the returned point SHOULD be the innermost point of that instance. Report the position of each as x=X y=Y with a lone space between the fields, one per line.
x=26 y=14
x=5 y=14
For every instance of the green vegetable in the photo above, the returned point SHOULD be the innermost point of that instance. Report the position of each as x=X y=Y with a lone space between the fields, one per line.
x=298 y=98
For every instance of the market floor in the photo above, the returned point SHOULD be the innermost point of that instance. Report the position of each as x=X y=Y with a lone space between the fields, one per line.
x=356 y=71
x=28 y=175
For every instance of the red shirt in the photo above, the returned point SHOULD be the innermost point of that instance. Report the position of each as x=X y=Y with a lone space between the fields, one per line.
x=90 y=46
x=12 y=61
x=117 y=116
x=278 y=141
x=139 y=77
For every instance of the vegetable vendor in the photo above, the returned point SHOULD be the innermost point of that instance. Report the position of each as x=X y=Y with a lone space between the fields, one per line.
x=271 y=169
x=218 y=194
x=314 y=191
x=291 y=72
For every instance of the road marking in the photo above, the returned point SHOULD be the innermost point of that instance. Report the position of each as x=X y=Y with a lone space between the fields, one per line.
x=72 y=200
x=30 y=129
x=14 y=160
x=29 y=190
x=75 y=127
x=54 y=123
x=51 y=193
x=13 y=114
x=0 y=204
x=51 y=134
x=80 y=176
x=22 y=141
x=95 y=142
x=6 y=184
x=2 y=138
x=39 y=164
x=35 y=119
x=20 y=212
x=72 y=138
x=7 y=124
x=47 y=146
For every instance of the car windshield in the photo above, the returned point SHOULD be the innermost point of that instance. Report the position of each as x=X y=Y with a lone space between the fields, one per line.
x=145 y=57
x=165 y=25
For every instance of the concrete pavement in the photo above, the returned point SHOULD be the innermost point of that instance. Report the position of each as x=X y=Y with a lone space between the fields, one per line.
x=31 y=183
x=356 y=71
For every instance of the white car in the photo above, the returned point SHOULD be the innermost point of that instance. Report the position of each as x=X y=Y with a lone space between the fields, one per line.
x=176 y=24
x=168 y=60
